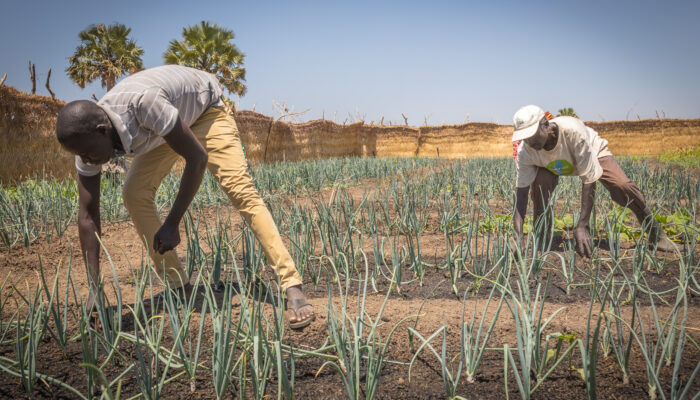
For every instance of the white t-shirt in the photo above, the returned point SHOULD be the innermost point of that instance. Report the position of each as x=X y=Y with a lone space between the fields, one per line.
x=576 y=154
x=145 y=106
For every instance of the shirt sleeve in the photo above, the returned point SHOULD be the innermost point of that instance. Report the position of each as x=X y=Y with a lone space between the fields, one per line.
x=587 y=164
x=87 y=169
x=156 y=113
x=527 y=171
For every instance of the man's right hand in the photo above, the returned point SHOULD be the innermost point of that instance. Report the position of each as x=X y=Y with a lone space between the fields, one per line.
x=582 y=240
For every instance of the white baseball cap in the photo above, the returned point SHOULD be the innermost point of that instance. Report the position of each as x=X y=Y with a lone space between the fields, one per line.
x=526 y=121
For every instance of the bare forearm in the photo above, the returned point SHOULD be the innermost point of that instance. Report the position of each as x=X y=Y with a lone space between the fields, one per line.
x=189 y=184
x=89 y=230
x=587 y=198
x=183 y=142
x=89 y=223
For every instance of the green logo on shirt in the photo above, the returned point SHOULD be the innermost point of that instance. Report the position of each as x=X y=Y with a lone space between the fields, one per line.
x=561 y=167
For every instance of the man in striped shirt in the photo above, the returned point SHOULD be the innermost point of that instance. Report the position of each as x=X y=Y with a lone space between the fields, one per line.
x=155 y=116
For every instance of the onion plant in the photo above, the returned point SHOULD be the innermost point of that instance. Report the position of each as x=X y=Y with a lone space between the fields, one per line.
x=30 y=332
x=667 y=333
x=89 y=352
x=7 y=325
x=353 y=344
x=473 y=343
x=450 y=224
x=588 y=346
x=621 y=337
x=536 y=358
x=450 y=375
x=226 y=338
x=473 y=338
x=398 y=257
x=180 y=312
x=59 y=330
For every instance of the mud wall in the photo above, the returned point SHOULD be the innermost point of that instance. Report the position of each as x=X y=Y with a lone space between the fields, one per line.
x=321 y=138
x=266 y=139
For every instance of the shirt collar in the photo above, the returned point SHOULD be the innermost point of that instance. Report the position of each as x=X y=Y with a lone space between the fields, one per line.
x=118 y=124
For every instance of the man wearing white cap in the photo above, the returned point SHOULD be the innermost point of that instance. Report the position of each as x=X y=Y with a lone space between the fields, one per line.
x=565 y=146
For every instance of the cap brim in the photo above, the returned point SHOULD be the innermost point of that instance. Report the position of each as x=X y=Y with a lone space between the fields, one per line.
x=524 y=133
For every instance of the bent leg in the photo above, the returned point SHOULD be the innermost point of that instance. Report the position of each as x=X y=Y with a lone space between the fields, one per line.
x=540 y=191
x=142 y=181
x=622 y=190
x=626 y=193
x=219 y=135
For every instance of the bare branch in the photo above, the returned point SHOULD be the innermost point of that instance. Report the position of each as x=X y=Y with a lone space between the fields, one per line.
x=2 y=81
x=48 y=87
x=286 y=113
x=405 y=119
x=32 y=76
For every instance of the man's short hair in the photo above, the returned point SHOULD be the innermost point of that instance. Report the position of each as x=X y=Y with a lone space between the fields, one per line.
x=78 y=118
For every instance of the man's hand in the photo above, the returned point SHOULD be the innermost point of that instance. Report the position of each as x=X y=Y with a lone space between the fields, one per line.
x=167 y=237
x=582 y=239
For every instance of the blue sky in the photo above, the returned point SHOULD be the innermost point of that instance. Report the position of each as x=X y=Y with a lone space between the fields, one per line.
x=436 y=61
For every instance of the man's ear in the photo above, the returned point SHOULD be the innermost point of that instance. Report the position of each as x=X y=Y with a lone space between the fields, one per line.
x=103 y=128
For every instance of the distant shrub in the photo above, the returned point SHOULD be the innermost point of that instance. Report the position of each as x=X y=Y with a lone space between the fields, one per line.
x=568 y=111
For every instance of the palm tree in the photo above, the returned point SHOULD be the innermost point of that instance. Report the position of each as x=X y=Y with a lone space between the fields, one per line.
x=106 y=53
x=568 y=111
x=208 y=47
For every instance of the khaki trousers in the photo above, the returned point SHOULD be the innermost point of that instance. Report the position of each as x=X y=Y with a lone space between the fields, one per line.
x=218 y=134
x=622 y=190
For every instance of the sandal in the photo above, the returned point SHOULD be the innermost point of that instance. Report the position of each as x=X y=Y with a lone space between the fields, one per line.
x=294 y=305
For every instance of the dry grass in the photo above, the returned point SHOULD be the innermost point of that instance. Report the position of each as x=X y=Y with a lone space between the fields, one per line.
x=28 y=147
x=653 y=145
x=24 y=157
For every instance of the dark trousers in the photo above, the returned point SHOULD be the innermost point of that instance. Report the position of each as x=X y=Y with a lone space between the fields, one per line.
x=622 y=190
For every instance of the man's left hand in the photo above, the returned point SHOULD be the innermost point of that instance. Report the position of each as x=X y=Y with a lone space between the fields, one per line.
x=166 y=238
x=582 y=239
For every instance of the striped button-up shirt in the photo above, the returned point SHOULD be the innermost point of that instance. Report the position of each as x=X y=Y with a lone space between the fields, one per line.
x=145 y=106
